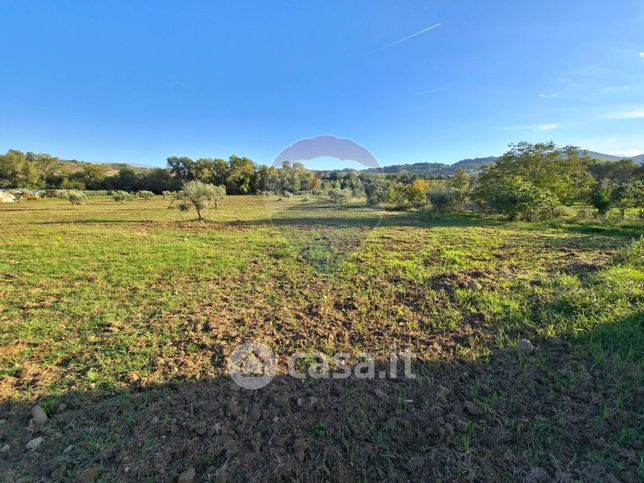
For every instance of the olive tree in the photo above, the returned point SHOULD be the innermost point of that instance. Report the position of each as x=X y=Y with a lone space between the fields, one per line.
x=121 y=196
x=201 y=196
x=146 y=195
x=75 y=197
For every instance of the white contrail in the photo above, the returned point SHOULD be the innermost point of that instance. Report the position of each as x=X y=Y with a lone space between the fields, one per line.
x=422 y=93
x=413 y=35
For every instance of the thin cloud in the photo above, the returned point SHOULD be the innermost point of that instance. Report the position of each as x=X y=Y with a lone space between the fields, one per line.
x=422 y=93
x=545 y=96
x=399 y=41
x=632 y=152
x=531 y=127
x=642 y=55
x=635 y=114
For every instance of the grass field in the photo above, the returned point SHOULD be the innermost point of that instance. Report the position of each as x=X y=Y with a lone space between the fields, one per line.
x=119 y=320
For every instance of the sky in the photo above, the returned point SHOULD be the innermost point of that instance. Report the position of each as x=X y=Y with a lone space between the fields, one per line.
x=411 y=81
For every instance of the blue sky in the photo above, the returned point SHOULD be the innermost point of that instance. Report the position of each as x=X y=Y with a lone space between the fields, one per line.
x=140 y=81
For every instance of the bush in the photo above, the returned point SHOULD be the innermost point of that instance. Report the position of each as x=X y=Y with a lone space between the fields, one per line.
x=563 y=212
x=121 y=196
x=602 y=197
x=376 y=190
x=445 y=199
x=632 y=254
x=584 y=214
x=339 y=196
x=146 y=195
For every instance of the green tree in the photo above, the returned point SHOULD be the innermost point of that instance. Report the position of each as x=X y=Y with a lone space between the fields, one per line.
x=602 y=196
x=240 y=175
x=630 y=195
x=17 y=171
x=557 y=175
x=376 y=190
x=445 y=198
x=126 y=179
x=201 y=195
x=621 y=171
x=91 y=175
x=518 y=198
x=220 y=171
x=158 y=180
x=46 y=164
x=182 y=167
x=460 y=180
x=416 y=192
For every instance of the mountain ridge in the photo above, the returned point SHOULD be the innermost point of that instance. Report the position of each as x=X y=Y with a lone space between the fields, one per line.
x=473 y=165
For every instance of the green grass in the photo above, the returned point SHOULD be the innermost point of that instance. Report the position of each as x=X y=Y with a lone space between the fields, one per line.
x=104 y=299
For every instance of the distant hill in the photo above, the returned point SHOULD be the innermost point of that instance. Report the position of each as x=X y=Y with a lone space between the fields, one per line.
x=472 y=166
x=602 y=156
x=638 y=159
x=73 y=165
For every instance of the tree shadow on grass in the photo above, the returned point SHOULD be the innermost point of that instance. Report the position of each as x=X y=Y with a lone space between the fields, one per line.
x=557 y=413
x=94 y=221
x=630 y=230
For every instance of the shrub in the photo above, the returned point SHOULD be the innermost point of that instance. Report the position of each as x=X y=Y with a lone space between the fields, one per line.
x=445 y=199
x=339 y=196
x=602 y=196
x=121 y=196
x=200 y=196
x=584 y=214
x=563 y=212
x=146 y=195
x=632 y=254
x=376 y=190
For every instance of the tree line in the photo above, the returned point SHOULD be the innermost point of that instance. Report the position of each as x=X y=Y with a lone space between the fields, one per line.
x=529 y=181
